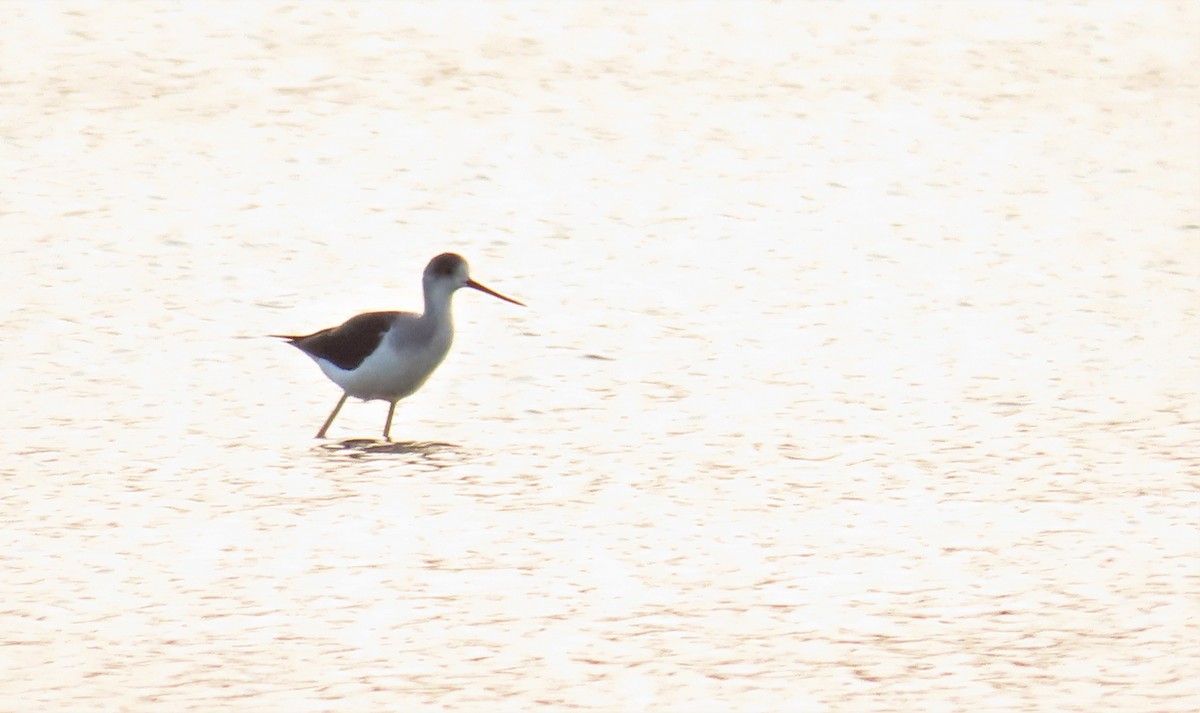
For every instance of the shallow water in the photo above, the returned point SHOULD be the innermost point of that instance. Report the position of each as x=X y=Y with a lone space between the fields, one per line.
x=859 y=373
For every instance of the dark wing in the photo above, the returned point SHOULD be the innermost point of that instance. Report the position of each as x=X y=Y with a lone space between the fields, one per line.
x=349 y=344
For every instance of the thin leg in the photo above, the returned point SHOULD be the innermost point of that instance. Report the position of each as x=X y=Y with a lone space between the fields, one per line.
x=387 y=426
x=321 y=433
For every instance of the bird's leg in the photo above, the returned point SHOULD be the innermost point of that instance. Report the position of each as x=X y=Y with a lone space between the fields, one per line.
x=321 y=433
x=387 y=426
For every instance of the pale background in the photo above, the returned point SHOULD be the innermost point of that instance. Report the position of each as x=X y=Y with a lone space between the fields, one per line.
x=860 y=372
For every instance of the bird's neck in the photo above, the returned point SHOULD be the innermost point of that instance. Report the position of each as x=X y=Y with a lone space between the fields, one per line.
x=437 y=305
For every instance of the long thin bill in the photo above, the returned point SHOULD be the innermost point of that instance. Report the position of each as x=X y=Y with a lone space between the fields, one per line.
x=475 y=285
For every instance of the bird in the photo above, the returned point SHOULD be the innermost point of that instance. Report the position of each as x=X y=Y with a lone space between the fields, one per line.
x=389 y=355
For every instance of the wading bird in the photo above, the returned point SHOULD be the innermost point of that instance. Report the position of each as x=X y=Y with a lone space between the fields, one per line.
x=389 y=355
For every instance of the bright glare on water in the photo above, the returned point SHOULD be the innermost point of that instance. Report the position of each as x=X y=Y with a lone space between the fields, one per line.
x=860 y=369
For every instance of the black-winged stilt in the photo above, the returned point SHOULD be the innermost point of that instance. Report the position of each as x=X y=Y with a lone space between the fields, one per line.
x=389 y=355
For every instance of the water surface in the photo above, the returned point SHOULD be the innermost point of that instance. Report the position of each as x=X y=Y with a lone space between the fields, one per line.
x=859 y=373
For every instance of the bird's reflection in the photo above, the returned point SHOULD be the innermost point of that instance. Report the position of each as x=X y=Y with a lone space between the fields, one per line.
x=429 y=451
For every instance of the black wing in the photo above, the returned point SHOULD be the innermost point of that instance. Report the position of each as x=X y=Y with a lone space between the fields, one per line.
x=349 y=344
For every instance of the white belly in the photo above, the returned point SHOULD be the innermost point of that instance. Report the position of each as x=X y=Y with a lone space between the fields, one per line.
x=392 y=372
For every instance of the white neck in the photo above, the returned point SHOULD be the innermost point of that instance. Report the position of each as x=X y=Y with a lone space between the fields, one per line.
x=438 y=295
